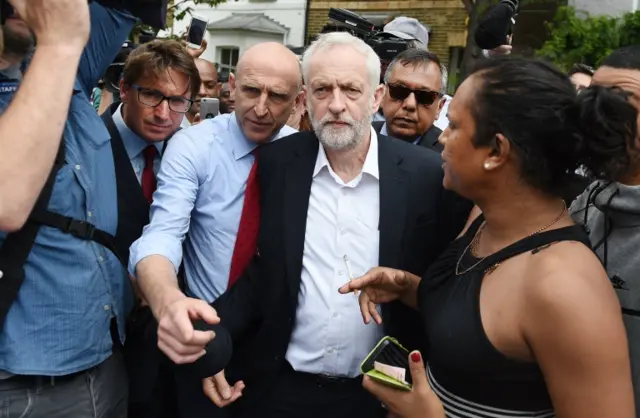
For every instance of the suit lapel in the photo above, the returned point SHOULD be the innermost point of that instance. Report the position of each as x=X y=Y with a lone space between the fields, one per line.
x=298 y=178
x=393 y=202
x=430 y=139
x=129 y=190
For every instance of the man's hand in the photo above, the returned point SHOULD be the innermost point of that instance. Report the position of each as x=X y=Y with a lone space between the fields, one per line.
x=56 y=22
x=218 y=390
x=501 y=50
x=176 y=336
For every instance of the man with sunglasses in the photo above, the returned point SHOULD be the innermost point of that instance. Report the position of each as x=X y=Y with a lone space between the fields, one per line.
x=416 y=82
x=159 y=81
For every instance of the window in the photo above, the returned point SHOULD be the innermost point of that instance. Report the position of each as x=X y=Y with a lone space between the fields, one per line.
x=228 y=59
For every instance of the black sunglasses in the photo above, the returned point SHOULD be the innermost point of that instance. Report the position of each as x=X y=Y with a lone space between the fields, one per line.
x=423 y=97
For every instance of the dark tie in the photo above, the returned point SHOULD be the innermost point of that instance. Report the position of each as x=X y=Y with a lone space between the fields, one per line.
x=247 y=238
x=148 y=177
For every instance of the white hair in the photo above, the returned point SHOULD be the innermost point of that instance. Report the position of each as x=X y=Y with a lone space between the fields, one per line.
x=331 y=39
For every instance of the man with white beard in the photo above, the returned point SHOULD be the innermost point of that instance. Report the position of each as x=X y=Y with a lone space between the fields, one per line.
x=334 y=203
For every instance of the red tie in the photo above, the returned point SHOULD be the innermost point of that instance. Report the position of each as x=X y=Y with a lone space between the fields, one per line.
x=148 y=177
x=247 y=238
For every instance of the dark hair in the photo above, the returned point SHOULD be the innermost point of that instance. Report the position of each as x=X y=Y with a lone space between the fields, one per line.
x=154 y=58
x=609 y=121
x=627 y=57
x=415 y=57
x=526 y=100
x=581 y=69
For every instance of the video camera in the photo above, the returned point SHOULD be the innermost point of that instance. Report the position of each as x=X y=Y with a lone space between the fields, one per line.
x=497 y=24
x=385 y=45
x=150 y=12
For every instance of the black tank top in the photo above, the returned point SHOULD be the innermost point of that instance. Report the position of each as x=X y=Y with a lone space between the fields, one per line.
x=471 y=377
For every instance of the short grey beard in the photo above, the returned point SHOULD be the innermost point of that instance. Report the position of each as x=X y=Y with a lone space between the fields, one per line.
x=346 y=137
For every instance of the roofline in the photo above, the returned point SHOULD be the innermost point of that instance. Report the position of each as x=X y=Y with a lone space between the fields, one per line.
x=284 y=32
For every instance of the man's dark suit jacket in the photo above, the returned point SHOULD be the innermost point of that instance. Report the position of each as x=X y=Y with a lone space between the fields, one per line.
x=428 y=140
x=259 y=310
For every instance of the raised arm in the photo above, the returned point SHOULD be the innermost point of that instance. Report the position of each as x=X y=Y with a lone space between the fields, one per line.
x=156 y=256
x=32 y=125
x=574 y=327
x=109 y=30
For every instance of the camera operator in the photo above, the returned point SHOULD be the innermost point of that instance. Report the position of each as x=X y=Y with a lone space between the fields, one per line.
x=31 y=126
x=63 y=296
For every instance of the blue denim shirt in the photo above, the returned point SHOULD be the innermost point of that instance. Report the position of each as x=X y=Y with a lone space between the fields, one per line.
x=59 y=323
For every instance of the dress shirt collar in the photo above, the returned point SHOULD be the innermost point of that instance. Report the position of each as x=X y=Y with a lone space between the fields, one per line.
x=132 y=142
x=370 y=162
x=243 y=146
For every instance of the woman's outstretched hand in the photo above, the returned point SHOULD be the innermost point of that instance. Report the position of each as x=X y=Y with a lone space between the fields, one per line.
x=378 y=285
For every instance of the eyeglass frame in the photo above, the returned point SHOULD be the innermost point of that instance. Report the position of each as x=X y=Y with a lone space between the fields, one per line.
x=437 y=94
x=168 y=99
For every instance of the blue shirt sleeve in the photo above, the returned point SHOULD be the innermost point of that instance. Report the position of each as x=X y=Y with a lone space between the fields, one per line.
x=178 y=182
x=109 y=30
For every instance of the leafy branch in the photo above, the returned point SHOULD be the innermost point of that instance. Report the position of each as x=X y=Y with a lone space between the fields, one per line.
x=580 y=38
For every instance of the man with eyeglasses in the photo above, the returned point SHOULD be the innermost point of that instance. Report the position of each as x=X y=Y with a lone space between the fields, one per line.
x=415 y=82
x=159 y=81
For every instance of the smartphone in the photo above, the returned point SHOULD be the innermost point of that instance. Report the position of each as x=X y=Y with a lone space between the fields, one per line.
x=209 y=108
x=197 y=27
x=388 y=363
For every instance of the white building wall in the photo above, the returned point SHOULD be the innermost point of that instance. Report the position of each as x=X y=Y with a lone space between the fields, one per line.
x=239 y=39
x=605 y=7
x=290 y=13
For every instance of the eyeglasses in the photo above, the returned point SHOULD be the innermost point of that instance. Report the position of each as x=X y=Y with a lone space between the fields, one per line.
x=423 y=97
x=153 y=98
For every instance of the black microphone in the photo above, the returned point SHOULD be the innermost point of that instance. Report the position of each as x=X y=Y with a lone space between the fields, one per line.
x=496 y=24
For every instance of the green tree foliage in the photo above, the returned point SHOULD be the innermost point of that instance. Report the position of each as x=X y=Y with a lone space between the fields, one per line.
x=579 y=38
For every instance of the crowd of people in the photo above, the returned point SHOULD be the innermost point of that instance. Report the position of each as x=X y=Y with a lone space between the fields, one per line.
x=156 y=263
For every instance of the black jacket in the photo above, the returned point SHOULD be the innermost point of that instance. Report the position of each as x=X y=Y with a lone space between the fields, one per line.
x=428 y=140
x=259 y=310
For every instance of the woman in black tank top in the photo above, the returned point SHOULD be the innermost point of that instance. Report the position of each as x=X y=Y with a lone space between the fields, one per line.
x=520 y=316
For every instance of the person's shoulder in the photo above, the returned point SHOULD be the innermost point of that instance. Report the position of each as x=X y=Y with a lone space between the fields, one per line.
x=411 y=154
x=296 y=141
x=581 y=201
x=565 y=269
x=208 y=131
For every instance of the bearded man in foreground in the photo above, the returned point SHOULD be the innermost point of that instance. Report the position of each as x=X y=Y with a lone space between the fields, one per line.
x=335 y=202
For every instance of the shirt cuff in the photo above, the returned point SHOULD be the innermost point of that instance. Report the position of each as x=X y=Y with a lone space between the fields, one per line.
x=153 y=245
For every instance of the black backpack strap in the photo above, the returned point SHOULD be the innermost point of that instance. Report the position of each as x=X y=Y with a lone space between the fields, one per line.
x=79 y=229
x=16 y=247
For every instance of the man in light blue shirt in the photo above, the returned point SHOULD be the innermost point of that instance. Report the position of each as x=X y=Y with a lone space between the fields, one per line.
x=200 y=197
x=57 y=356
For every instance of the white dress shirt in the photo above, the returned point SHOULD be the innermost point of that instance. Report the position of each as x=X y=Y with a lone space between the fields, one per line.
x=329 y=335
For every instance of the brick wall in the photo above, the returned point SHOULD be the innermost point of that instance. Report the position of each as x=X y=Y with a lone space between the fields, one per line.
x=446 y=18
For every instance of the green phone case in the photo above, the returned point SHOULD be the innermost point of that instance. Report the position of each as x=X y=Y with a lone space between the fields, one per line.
x=388 y=351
